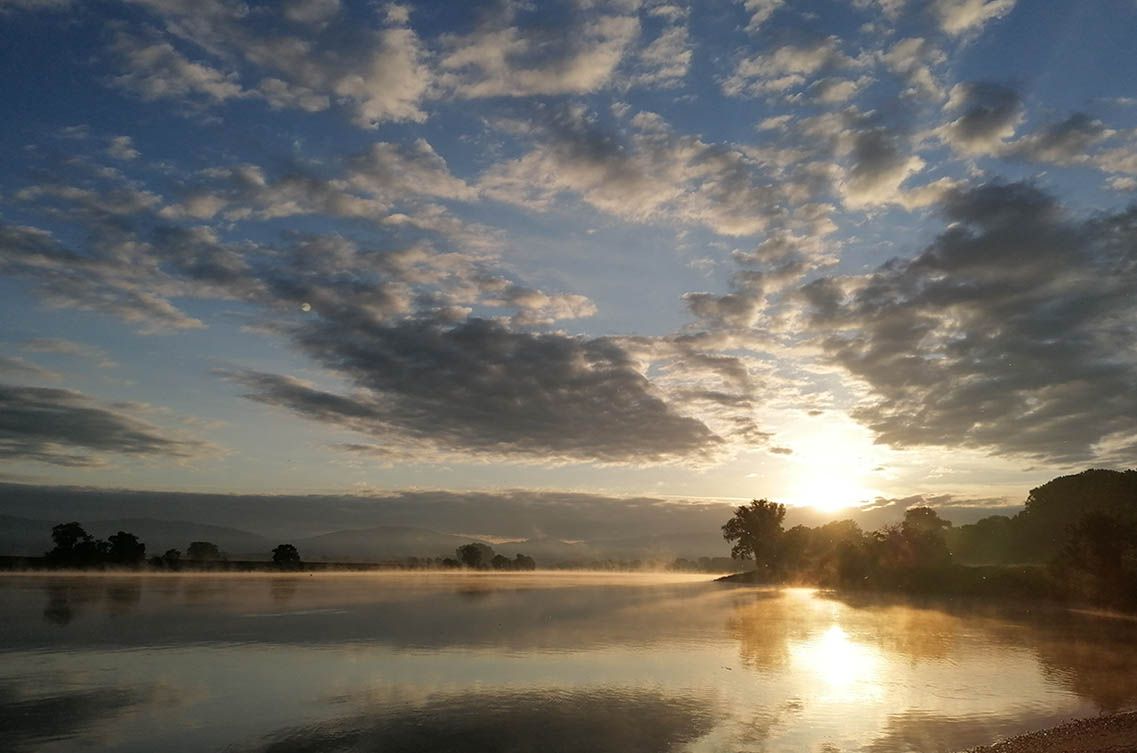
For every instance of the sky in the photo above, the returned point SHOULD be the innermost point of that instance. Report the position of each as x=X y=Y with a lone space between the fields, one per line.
x=827 y=253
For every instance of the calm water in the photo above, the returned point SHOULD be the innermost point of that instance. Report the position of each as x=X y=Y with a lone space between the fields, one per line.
x=531 y=663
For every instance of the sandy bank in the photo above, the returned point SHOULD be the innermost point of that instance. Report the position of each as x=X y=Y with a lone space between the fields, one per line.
x=1116 y=733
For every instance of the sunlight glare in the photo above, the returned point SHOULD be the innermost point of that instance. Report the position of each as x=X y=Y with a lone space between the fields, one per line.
x=846 y=670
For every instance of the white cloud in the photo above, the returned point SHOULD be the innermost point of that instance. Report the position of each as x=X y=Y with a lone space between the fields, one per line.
x=510 y=61
x=914 y=60
x=122 y=147
x=958 y=16
x=787 y=67
x=760 y=12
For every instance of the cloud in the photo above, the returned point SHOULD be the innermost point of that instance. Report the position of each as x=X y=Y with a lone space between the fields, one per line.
x=387 y=184
x=63 y=427
x=644 y=173
x=18 y=368
x=1068 y=142
x=760 y=12
x=33 y=5
x=665 y=61
x=122 y=147
x=64 y=347
x=119 y=280
x=380 y=75
x=395 y=324
x=156 y=70
x=959 y=16
x=914 y=59
x=790 y=66
x=874 y=161
x=311 y=11
x=499 y=59
x=990 y=114
x=478 y=387
x=1011 y=333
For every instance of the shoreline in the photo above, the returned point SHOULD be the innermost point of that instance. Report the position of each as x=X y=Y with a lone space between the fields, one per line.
x=1109 y=733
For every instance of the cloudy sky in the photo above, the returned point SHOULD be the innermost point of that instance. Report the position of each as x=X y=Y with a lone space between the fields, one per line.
x=821 y=252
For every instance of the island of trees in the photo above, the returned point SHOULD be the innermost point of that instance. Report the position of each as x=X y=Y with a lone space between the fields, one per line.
x=1075 y=540
x=76 y=549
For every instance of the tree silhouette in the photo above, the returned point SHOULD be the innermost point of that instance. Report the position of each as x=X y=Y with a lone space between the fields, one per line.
x=203 y=551
x=476 y=555
x=74 y=546
x=126 y=549
x=286 y=556
x=923 y=529
x=524 y=562
x=755 y=532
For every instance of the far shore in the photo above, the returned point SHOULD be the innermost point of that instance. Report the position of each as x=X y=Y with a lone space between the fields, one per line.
x=1111 y=733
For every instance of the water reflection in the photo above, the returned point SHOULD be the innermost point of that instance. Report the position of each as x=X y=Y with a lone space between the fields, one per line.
x=540 y=720
x=841 y=669
x=287 y=663
x=28 y=720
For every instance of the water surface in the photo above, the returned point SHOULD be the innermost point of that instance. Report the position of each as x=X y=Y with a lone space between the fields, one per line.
x=532 y=662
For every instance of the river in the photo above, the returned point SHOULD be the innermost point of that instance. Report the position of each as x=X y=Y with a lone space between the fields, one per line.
x=533 y=662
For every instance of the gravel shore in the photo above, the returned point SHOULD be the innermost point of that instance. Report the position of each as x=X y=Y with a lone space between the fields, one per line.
x=1116 y=733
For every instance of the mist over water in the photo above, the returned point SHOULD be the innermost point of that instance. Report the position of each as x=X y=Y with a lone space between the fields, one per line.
x=541 y=662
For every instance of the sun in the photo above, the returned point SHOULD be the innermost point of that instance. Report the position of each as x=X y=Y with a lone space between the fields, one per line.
x=833 y=466
x=828 y=489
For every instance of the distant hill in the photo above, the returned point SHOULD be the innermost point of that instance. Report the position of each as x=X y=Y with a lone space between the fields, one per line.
x=665 y=546
x=29 y=537
x=380 y=543
x=160 y=535
x=24 y=537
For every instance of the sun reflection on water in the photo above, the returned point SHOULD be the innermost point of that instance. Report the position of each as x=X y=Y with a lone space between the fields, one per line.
x=846 y=671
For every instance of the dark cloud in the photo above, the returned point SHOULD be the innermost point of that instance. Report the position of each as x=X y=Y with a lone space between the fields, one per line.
x=1012 y=332
x=988 y=116
x=18 y=368
x=113 y=277
x=1068 y=142
x=63 y=427
x=396 y=322
x=479 y=387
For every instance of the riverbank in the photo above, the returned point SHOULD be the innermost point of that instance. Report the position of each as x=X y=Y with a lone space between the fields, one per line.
x=1114 y=733
x=1029 y=582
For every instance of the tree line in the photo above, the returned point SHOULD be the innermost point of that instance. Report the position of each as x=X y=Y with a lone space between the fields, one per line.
x=1076 y=538
x=479 y=556
x=75 y=548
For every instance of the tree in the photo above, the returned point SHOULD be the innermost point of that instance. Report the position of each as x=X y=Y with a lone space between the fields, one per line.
x=476 y=555
x=126 y=549
x=755 y=532
x=1099 y=558
x=203 y=551
x=923 y=529
x=524 y=562
x=286 y=556
x=74 y=546
x=501 y=562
